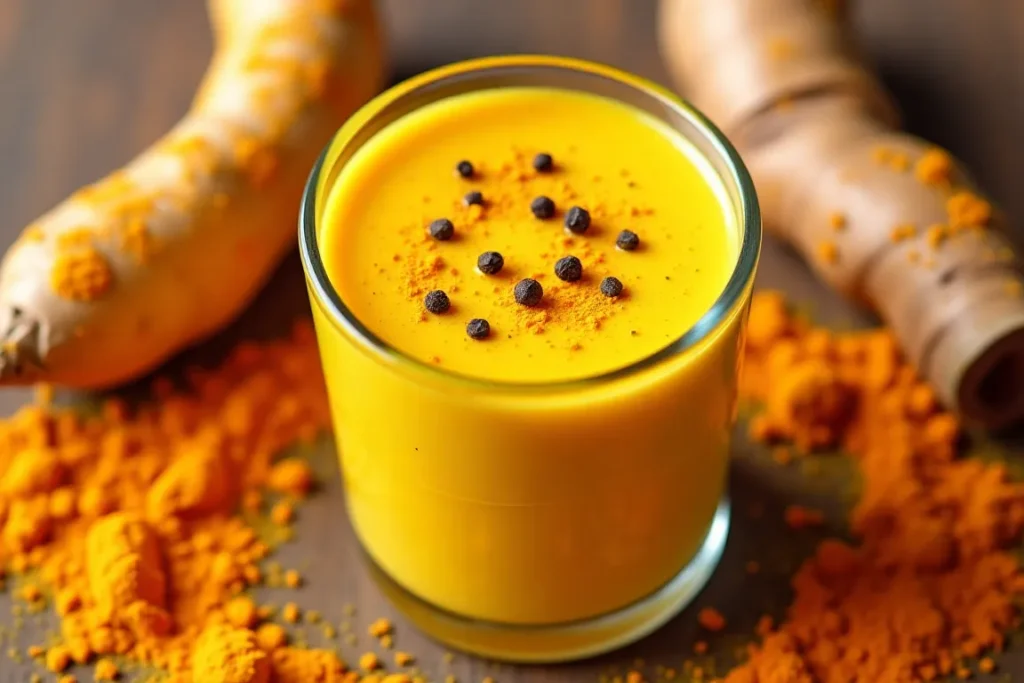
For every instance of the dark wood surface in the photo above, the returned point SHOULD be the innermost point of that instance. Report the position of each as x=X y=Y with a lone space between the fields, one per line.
x=85 y=84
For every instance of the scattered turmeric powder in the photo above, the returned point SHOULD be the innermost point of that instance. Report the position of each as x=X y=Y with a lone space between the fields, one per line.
x=404 y=659
x=295 y=665
x=711 y=619
x=81 y=274
x=291 y=613
x=106 y=670
x=899 y=162
x=292 y=579
x=126 y=515
x=935 y=167
x=929 y=579
x=227 y=655
x=241 y=612
x=30 y=592
x=291 y=476
x=282 y=513
x=368 y=661
x=903 y=231
x=968 y=210
x=34 y=651
x=380 y=628
x=58 y=658
x=828 y=252
x=800 y=517
x=270 y=637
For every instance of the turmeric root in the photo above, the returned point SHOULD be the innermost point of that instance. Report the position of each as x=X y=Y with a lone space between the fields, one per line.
x=886 y=218
x=165 y=251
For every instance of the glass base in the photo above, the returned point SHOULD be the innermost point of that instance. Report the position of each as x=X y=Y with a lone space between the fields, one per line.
x=569 y=641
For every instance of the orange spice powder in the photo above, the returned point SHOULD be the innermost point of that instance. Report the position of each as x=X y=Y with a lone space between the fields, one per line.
x=929 y=579
x=127 y=516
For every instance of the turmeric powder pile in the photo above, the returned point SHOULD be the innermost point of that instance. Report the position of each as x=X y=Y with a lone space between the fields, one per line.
x=929 y=583
x=128 y=518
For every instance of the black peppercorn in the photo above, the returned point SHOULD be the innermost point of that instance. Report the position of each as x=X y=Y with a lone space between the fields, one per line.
x=611 y=286
x=569 y=269
x=490 y=262
x=627 y=240
x=542 y=207
x=474 y=197
x=543 y=163
x=464 y=169
x=577 y=220
x=442 y=229
x=528 y=292
x=478 y=328
x=437 y=301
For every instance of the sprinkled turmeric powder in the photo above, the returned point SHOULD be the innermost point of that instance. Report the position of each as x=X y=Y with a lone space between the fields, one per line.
x=270 y=637
x=226 y=655
x=292 y=579
x=828 y=252
x=81 y=274
x=899 y=162
x=368 y=661
x=380 y=628
x=58 y=658
x=934 y=167
x=711 y=619
x=903 y=231
x=575 y=306
x=241 y=612
x=282 y=513
x=106 y=670
x=291 y=476
x=126 y=515
x=295 y=665
x=936 y=235
x=929 y=580
x=291 y=613
x=968 y=210
x=799 y=517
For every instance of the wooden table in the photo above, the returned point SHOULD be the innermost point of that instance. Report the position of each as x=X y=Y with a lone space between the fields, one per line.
x=85 y=84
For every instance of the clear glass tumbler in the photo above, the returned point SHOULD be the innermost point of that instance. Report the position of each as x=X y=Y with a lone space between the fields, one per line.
x=536 y=522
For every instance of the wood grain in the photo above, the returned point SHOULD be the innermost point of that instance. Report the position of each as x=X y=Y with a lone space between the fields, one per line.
x=85 y=85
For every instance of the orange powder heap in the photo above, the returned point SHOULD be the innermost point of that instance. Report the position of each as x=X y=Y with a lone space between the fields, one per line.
x=929 y=581
x=129 y=517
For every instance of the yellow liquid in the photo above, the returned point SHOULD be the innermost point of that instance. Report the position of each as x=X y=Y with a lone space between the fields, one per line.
x=626 y=168
x=530 y=506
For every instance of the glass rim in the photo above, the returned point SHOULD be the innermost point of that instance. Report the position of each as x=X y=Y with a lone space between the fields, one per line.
x=739 y=280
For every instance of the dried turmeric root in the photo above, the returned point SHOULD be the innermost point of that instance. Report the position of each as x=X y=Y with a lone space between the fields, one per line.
x=882 y=216
x=167 y=250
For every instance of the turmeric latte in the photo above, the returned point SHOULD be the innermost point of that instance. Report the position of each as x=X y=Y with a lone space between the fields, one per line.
x=528 y=234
